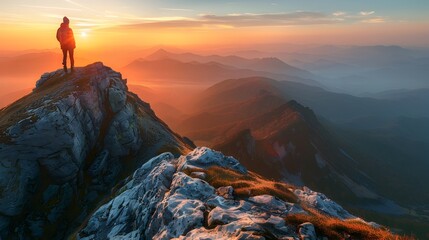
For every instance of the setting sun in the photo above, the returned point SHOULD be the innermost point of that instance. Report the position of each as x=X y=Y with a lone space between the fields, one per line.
x=83 y=34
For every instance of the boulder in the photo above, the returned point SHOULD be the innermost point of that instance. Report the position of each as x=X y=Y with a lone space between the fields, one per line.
x=307 y=231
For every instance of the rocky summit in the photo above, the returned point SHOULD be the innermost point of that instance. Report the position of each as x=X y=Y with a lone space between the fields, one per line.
x=64 y=146
x=172 y=198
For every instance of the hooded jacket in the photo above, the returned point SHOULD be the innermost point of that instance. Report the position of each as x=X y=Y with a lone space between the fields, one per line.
x=65 y=37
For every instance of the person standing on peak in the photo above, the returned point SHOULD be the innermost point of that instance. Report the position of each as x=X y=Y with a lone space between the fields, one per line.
x=66 y=38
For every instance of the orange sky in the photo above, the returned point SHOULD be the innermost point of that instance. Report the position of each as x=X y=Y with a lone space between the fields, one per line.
x=97 y=24
x=33 y=36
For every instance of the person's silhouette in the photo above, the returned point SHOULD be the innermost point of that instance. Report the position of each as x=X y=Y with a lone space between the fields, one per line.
x=66 y=38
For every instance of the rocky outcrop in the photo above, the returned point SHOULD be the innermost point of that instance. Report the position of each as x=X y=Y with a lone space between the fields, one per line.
x=161 y=201
x=64 y=146
x=321 y=202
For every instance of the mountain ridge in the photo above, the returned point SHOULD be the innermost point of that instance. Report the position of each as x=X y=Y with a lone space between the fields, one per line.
x=66 y=144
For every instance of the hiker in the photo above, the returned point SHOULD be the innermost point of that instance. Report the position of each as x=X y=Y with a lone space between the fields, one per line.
x=66 y=38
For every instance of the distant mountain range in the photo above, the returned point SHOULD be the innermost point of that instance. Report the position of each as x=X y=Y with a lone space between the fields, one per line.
x=169 y=68
x=268 y=64
x=360 y=69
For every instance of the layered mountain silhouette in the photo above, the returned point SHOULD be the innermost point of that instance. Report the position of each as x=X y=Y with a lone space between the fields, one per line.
x=271 y=64
x=82 y=157
x=195 y=69
x=362 y=69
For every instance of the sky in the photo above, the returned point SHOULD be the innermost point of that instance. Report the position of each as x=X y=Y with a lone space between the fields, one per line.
x=26 y=24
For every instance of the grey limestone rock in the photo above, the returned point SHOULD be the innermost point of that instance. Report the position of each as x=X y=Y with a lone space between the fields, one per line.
x=161 y=201
x=307 y=231
x=64 y=146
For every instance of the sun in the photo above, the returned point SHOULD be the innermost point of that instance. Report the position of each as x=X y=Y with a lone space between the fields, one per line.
x=83 y=34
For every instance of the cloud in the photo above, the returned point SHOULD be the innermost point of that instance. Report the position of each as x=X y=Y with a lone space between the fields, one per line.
x=374 y=20
x=178 y=9
x=236 y=20
x=367 y=13
x=270 y=19
x=337 y=14
x=50 y=7
x=164 y=24
x=240 y=20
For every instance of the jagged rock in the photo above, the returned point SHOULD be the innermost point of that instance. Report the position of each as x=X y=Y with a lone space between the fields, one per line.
x=47 y=76
x=206 y=158
x=180 y=205
x=200 y=175
x=321 y=202
x=307 y=231
x=225 y=192
x=117 y=99
x=63 y=147
x=161 y=201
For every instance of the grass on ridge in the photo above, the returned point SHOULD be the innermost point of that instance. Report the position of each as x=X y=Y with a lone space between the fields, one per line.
x=337 y=229
x=247 y=185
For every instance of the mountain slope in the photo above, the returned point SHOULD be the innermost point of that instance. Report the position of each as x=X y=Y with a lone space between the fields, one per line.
x=65 y=145
x=347 y=107
x=289 y=144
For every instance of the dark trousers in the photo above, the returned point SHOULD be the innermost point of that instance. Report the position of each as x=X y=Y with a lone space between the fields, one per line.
x=71 y=52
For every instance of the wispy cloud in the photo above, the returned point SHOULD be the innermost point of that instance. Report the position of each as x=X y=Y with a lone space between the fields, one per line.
x=238 y=20
x=178 y=9
x=81 y=6
x=75 y=3
x=363 y=13
x=49 y=7
x=374 y=20
x=339 y=13
x=270 y=19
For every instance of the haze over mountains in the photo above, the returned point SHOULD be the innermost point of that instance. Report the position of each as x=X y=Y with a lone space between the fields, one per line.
x=358 y=69
x=206 y=70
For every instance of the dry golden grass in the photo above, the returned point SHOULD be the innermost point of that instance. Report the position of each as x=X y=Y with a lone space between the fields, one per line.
x=247 y=185
x=251 y=184
x=334 y=228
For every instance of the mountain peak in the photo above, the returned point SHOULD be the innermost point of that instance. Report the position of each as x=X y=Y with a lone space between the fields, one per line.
x=93 y=69
x=161 y=53
x=66 y=144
